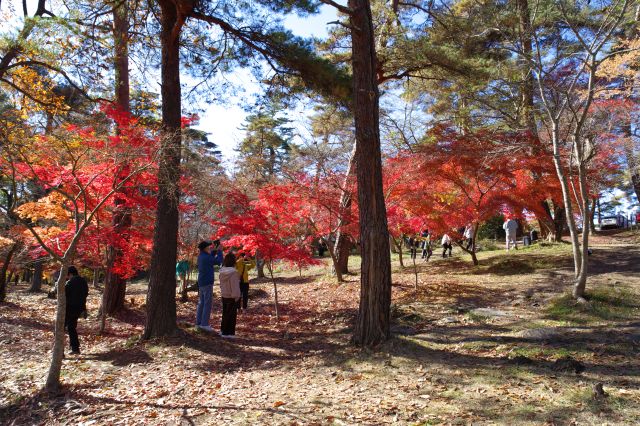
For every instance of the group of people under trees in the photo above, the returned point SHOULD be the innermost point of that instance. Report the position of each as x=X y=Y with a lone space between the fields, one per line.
x=234 y=290
x=233 y=278
x=423 y=240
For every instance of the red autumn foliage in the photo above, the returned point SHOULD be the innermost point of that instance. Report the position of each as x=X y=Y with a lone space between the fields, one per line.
x=271 y=224
x=81 y=170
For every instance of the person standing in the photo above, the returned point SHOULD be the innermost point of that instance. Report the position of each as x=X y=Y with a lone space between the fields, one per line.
x=510 y=227
x=207 y=259
x=426 y=245
x=413 y=246
x=230 y=293
x=468 y=236
x=76 y=291
x=446 y=245
x=182 y=269
x=243 y=265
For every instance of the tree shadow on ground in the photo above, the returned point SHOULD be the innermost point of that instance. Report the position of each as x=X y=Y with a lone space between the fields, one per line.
x=266 y=348
x=453 y=293
x=10 y=306
x=411 y=349
x=623 y=261
x=26 y=322
x=131 y=315
x=122 y=357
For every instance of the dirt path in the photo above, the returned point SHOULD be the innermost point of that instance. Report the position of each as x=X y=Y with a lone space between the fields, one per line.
x=489 y=345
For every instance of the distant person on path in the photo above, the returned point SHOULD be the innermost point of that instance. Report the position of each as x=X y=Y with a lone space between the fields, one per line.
x=468 y=236
x=414 y=243
x=207 y=259
x=76 y=291
x=510 y=227
x=426 y=245
x=446 y=245
x=322 y=247
x=230 y=292
x=182 y=269
x=243 y=265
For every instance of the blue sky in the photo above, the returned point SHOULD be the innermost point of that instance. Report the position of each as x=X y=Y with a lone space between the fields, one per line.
x=223 y=121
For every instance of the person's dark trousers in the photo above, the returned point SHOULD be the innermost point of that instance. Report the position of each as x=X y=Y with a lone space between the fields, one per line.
x=426 y=253
x=71 y=322
x=469 y=243
x=229 y=314
x=414 y=252
x=444 y=249
x=244 y=289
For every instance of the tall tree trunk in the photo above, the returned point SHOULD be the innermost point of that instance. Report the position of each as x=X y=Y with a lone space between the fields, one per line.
x=115 y=287
x=632 y=160
x=96 y=278
x=581 y=280
x=53 y=377
x=527 y=88
x=36 y=280
x=559 y=221
x=161 y=295
x=567 y=199
x=415 y=271
x=343 y=242
x=275 y=290
x=334 y=260
x=343 y=251
x=372 y=324
x=592 y=214
x=3 y=272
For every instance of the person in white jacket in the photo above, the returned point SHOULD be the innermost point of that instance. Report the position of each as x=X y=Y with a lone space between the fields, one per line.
x=510 y=227
x=230 y=292
x=446 y=245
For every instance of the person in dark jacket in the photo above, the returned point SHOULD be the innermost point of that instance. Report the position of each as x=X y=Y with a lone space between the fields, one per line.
x=76 y=291
x=207 y=258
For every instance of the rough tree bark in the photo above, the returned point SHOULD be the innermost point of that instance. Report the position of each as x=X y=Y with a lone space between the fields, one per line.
x=115 y=287
x=527 y=88
x=632 y=160
x=36 y=279
x=259 y=265
x=372 y=324
x=53 y=377
x=275 y=290
x=161 y=300
x=472 y=251
x=343 y=242
x=556 y=219
x=334 y=260
x=3 y=272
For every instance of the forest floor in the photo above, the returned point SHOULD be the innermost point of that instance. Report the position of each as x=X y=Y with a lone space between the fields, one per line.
x=500 y=343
